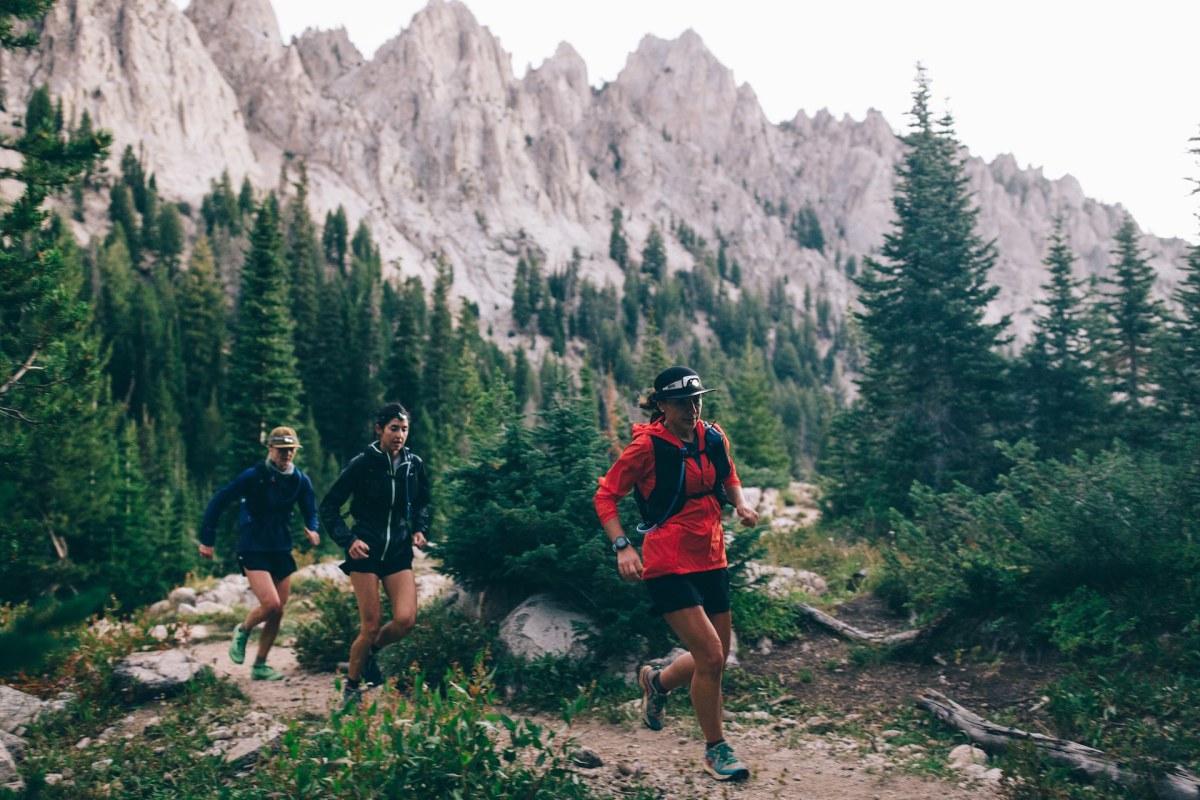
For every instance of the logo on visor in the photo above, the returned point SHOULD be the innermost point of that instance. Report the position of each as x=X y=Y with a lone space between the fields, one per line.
x=691 y=381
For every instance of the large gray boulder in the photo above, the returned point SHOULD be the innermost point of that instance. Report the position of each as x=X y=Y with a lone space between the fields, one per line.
x=146 y=675
x=10 y=777
x=18 y=709
x=542 y=626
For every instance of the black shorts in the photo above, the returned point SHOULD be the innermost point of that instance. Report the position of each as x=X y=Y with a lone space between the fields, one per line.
x=709 y=589
x=399 y=558
x=279 y=563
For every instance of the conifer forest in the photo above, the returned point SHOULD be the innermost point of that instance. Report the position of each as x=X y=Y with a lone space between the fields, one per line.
x=1041 y=497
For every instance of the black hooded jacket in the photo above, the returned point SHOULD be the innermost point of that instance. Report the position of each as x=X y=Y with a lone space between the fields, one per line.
x=387 y=505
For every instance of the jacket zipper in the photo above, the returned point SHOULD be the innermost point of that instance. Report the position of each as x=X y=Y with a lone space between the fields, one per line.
x=387 y=534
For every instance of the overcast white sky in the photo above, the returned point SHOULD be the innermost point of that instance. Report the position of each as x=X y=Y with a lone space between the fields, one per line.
x=1105 y=91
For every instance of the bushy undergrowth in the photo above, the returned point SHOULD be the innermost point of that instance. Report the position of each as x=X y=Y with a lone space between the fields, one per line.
x=423 y=744
x=442 y=641
x=1053 y=544
x=323 y=639
x=1096 y=558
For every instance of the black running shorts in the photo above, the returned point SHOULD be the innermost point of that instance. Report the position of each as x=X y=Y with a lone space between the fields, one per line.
x=279 y=563
x=709 y=589
x=399 y=558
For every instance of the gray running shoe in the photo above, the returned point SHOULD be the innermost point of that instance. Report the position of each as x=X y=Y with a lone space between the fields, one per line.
x=654 y=705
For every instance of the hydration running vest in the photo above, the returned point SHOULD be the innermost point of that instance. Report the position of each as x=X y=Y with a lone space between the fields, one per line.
x=668 y=495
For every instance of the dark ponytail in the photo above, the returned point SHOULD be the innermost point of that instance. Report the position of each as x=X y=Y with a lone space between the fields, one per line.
x=650 y=403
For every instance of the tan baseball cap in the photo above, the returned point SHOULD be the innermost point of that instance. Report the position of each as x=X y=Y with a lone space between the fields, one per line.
x=284 y=439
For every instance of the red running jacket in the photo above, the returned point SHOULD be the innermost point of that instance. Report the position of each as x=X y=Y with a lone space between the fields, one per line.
x=690 y=541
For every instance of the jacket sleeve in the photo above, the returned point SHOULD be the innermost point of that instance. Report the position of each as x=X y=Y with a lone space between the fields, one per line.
x=421 y=511
x=234 y=490
x=335 y=498
x=634 y=464
x=308 y=505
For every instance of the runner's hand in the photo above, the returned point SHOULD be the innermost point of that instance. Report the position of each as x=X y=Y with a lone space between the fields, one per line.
x=748 y=515
x=359 y=550
x=314 y=538
x=629 y=564
x=206 y=552
x=419 y=539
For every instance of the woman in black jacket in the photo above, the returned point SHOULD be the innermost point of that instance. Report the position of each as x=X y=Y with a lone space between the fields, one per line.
x=389 y=500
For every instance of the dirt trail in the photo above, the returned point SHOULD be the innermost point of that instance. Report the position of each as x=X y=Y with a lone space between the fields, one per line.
x=788 y=764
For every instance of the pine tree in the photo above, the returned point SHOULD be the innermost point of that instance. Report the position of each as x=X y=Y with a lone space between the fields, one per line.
x=264 y=387
x=757 y=437
x=1055 y=379
x=203 y=325
x=334 y=238
x=618 y=244
x=654 y=255
x=307 y=286
x=1178 y=365
x=437 y=392
x=1133 y=317
x=402 y=380
x=46 y=353
x=927 y=410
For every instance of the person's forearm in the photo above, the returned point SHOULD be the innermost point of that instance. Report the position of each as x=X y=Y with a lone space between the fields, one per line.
x=613 y=529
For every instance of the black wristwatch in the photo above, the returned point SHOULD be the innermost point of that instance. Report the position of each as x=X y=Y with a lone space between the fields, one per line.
x=620 y=543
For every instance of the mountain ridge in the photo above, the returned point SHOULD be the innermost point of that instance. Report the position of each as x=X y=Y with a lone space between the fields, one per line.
x=442 y=149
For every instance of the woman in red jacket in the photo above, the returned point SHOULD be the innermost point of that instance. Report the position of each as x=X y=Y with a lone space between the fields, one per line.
x=682 y=472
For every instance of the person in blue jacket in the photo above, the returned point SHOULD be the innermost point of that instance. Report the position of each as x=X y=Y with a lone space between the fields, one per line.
x=268 y=491
x=390 y=507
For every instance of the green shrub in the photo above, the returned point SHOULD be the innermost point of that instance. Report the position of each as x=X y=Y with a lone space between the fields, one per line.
x=1114 y=525
x=425 y=744
x=523 y=519
x=442 y=640
x=757 y=614
x=545 y=683
x=324 y=640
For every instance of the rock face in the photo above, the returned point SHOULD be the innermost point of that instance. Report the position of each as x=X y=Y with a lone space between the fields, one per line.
x=442 y=149
x=146 y=675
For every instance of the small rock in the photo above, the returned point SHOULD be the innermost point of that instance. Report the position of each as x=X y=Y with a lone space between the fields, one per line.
x=182 y=595
x=587 y=758
x=219 y=734
x=53 y=778
x=102 y=765
x=630 y=770
x=891 y=734
x=966 y=755
x=83 y=743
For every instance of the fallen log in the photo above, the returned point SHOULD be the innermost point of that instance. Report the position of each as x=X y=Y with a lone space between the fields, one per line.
x=1174 y=784
x=855 y=634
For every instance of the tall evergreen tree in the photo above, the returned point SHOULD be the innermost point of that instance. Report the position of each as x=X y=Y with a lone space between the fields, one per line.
x=756 y=434
x=1134 y=319
x=1062 y=401
x=264 y=386
x=618 y=244
x=307 y=286
x=928 y=406
x=654 y=255
x=1179 y=363
x=402 y=379
x=436 y=399
x=50 y=401
x=203 y=326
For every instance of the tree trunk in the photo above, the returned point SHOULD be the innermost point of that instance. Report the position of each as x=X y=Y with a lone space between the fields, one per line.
x=1174 y=784
x=857 y=635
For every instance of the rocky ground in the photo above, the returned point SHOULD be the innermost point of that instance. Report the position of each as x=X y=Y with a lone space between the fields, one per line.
x=827 y=736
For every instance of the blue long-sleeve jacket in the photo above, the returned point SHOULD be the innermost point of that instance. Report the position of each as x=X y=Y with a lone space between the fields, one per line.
x=264 y=516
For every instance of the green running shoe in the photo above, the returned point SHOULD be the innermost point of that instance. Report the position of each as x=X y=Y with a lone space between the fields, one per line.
x=654 y=705
x=722 y=764
x=265 y=672
x=237 y=645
